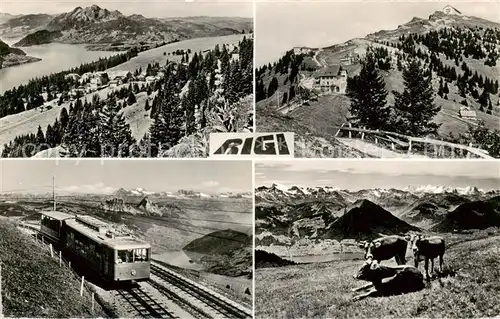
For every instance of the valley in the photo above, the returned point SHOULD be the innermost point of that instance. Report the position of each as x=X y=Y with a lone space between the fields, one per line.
x=79 y=68
x=313 y=242
x=187 y=230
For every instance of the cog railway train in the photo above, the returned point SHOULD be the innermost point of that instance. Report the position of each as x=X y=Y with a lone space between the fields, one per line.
x=113 y=255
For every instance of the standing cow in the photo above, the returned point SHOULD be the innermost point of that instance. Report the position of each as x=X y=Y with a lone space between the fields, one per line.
x=428 y=247
x=385 y=248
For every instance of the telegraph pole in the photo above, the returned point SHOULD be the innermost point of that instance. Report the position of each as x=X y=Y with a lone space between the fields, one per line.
x=54 y=191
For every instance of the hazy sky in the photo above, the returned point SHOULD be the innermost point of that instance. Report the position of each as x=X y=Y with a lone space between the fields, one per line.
x=148 y=8
x=105 y=176
x=360 y=174
x=282 y=25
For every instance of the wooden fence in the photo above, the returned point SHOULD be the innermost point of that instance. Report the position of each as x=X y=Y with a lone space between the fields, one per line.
x=411 y=145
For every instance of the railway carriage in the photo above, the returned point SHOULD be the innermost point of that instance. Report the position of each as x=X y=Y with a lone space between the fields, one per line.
x=52 y=224
x=114 y=255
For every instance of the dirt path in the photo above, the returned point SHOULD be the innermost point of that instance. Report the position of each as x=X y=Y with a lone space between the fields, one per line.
x=315 y=58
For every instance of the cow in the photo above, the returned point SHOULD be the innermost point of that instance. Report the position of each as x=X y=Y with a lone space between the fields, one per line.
x=427 y=248
x=387 y=280
x=385 y=248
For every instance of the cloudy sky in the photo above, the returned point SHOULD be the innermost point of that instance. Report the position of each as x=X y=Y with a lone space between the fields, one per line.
x=360 y=174
x=105 y=176
x=148 y=8
x=282 y=25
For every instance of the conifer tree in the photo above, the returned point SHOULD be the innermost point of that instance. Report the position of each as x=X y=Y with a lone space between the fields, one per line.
x=131 y=98
x=484 y=99
x=273 y=86
x=64 y=117
x=368 y=96
x=415 y=107
x=168 y=125
x=40 y=138
x=116 y=137
x=50 y=136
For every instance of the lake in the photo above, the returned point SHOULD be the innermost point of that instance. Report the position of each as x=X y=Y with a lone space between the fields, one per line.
x=58 y=57
x=181 y=259
x=325 y=258
x=55 y=57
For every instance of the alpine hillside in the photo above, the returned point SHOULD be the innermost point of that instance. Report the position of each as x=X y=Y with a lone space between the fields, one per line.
x=13 y=56
x=434 y=77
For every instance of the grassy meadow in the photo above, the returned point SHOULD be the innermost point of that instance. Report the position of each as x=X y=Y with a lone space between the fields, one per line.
x=323 y=290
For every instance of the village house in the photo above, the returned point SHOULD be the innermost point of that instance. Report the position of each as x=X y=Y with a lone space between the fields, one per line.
x=301 y=50
x=73 y=76
x=119 y=79
x=449 y=10
x=331 y=79
x=96 y=81
x=466 y=113
x=113 y=83
x=349 y=59
x=150 y=79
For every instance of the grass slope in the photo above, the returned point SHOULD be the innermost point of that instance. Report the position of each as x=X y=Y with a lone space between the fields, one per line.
x=309 y=142
x=323 y=290
x=33 y=284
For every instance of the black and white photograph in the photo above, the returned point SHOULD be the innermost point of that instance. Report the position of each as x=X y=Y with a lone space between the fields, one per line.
x=377 y=239
x=123 y=79
x=380 y=79
x=126 y=239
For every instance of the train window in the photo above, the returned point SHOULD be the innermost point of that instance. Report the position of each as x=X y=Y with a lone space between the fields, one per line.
x=140 y=254
x=125 y=256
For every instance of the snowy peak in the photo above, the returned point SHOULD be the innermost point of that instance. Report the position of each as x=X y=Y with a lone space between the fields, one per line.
x=278 y=194
x=436 y=189
x=132 y=192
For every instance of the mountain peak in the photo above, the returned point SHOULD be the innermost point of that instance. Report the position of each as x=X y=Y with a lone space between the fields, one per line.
x=80 y=17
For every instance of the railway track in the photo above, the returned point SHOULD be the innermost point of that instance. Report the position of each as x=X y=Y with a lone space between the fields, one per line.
x=212 y=306
x=197 y=300
x=144 y=304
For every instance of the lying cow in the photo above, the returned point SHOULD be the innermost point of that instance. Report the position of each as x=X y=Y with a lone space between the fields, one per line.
x=425 y=248
x=385 y=248
x=388 y=281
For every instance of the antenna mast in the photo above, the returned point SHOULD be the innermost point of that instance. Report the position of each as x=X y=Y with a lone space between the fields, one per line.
x=54 y=190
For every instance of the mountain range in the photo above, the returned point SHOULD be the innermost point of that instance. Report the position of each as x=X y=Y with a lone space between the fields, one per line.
x=329 y=213
x=454 y=43
x=105 y=29
x=182 y=193
x=144 y=207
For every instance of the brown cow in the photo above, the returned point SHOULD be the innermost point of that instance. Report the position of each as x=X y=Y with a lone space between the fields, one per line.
x=427 y=248
x=387 y=281
x=385 y=248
